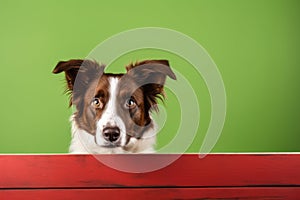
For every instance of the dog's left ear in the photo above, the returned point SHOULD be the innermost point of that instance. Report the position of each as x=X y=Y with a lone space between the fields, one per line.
x=151 y=75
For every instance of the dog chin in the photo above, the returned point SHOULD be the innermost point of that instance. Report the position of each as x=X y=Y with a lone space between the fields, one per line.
x=111 y=146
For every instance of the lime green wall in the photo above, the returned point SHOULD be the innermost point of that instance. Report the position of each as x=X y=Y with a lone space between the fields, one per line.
x=255 y=44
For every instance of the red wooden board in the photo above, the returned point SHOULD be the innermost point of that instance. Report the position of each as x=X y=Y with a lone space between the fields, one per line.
x=217 y=176
x=154 y=193
x=84 y=171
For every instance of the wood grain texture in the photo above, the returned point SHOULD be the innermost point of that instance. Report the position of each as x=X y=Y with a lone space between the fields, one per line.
x=154 y=193
x=84 y=171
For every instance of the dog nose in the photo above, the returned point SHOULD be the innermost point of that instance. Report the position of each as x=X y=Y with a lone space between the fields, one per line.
x=111 y=134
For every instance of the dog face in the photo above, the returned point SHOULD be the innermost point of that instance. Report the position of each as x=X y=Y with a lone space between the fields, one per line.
x=115 y=108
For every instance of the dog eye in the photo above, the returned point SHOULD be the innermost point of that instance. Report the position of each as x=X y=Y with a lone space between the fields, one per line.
x=130 y=103
x=96 y=103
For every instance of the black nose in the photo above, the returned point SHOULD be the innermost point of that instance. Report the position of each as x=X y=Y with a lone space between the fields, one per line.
x=111 y=134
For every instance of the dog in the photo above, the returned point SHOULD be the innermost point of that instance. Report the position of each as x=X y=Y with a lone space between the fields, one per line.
x=113 y=111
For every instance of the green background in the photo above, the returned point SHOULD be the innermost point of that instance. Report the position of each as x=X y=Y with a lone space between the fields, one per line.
x=255 y=45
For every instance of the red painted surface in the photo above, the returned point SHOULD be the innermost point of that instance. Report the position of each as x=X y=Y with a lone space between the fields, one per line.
x=225 y=176
x=154 y=193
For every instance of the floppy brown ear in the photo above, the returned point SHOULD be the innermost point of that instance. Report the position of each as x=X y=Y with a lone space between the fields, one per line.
x=70 y=68
x=151 y=75
x=152 y=67
x=89 y=70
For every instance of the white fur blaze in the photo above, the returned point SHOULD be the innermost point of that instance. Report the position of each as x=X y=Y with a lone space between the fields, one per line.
x=109 y=116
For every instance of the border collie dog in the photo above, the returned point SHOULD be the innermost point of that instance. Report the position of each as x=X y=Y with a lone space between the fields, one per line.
x=113 y=110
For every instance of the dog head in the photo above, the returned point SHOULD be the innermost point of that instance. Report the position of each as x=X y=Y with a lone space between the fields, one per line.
x=115 y=108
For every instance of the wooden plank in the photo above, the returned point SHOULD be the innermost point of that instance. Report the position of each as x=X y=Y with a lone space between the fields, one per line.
x=84 y=171
x=154 y=193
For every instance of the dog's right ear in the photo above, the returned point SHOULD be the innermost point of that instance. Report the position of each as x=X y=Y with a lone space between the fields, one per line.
x=83 y=71
x=70 y=68
x=88 y=70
